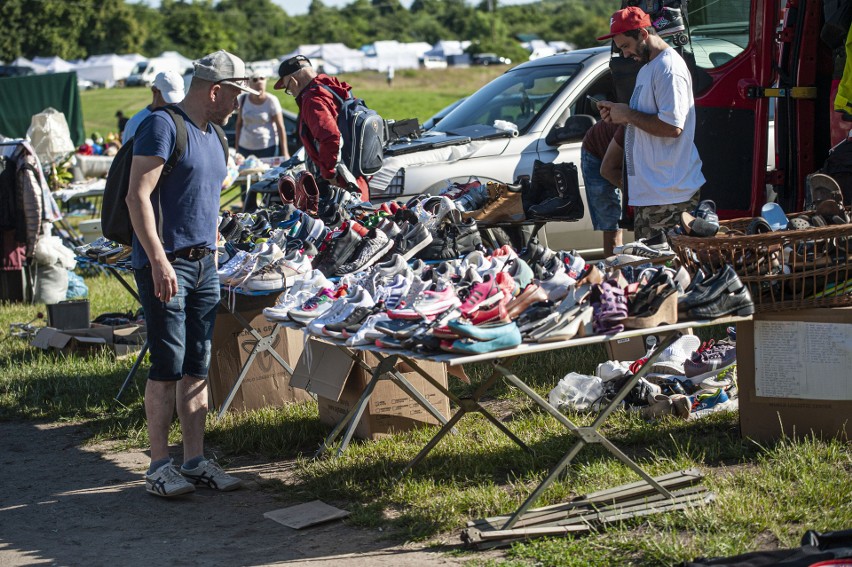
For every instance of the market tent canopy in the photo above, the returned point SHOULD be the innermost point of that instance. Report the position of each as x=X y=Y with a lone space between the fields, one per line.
x=105 y=69
x=23 y=97
x=54 y=64
x=384 y=54
x=333 y=57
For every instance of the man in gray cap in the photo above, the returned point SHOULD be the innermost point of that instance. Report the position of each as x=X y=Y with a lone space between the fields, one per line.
x=175 y=222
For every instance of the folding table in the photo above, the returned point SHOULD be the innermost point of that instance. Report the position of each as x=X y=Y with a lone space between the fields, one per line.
x=385 y=370
x=502 y=361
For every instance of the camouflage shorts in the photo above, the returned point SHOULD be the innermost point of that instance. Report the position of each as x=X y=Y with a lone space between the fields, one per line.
x=648 y=220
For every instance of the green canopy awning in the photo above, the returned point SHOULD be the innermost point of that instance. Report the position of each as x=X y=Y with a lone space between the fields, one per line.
x=22 y=97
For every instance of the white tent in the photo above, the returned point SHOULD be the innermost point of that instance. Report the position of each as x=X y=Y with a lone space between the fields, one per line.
x=54 y=64
x=134 y=58
x=183 y=62
x=333 y=57
x=447 y=48
x=24 y=62
x=385 y=54
x=105 y=69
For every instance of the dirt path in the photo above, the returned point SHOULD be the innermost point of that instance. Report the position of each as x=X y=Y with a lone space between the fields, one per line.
x=65 y=504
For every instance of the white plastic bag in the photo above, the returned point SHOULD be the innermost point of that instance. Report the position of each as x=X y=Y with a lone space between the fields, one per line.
x=577 y=392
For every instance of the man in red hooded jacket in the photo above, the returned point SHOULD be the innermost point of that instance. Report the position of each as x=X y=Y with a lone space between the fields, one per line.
x=317 y=122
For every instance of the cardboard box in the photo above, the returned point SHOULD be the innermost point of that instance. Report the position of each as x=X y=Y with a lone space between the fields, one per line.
x=339 y=383
x=122 y=340
x=632 y=348
x=794 y=375
x=266 y=383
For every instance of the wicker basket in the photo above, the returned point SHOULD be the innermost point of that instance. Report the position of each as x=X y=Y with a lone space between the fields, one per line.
x=788 y=269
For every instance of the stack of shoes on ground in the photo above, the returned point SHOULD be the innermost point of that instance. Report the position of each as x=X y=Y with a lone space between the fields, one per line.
x=717 y=296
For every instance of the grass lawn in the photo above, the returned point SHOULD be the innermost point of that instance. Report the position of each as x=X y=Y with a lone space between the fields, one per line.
x=415 y=94
x=767 y=495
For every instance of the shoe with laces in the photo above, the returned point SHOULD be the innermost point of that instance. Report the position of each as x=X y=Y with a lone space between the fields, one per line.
x=296 y=296
x=232 y=266
x=369 y=251
x=353 y=321
x=555 y=281
x=208 y=473
x=313 y=307
x=167 y=482
x=366 y=334
x=337 y=248
x=341 y=309
x=429 y=303
x=710 y=362
x=411 y=241
x=491 y=290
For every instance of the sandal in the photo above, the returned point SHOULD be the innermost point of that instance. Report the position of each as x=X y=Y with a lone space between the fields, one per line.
x=661 y=309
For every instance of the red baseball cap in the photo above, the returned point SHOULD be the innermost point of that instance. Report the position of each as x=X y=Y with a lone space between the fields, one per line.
x=631 y=18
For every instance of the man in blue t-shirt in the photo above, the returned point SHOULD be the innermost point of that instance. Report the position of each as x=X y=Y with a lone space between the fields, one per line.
x=174 y=249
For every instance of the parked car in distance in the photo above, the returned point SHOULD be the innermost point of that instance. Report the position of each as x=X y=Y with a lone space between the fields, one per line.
x=489 y=59
x=432 y=62
x=545 y=100
x=15 y=71
x=293 y=142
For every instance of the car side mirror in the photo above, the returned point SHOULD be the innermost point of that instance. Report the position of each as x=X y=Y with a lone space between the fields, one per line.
x=573 y=130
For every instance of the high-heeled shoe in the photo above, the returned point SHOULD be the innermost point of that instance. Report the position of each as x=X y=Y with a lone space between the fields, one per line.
x=661 y=310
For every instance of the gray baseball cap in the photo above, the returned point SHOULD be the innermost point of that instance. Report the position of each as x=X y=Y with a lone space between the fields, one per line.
x=223 y=67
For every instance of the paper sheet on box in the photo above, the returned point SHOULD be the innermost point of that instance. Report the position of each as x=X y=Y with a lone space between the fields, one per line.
x=305 y=515
x=799 y=359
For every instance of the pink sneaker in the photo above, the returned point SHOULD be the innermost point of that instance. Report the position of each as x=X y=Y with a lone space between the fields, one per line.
x=429 y=303
x=488 y=292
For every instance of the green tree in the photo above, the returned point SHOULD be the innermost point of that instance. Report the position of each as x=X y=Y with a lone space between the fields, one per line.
x=195 y=29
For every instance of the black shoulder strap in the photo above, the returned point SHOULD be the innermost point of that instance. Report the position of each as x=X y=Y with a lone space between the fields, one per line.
x=180 y=138
x=223 y=139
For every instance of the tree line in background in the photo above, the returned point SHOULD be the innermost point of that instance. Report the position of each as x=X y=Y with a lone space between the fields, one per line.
x=261 y=29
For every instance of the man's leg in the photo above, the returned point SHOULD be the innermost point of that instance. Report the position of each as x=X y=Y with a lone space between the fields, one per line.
x=604 y=201
x=611 y=239
x=192 y=412
x=159 y=411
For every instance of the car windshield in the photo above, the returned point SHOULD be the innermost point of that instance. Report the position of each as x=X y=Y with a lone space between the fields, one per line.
x=517 y=96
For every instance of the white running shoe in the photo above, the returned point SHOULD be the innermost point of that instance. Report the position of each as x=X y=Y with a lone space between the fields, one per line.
x=297 y=295
x=166 y=482
x=368 y=333
x=211 y=475
x=340 y=310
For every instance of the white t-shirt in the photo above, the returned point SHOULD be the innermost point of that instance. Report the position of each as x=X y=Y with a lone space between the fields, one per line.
x=663 y=171
x=258 y=130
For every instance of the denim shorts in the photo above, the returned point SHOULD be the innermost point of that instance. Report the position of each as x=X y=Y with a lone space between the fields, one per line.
x=603 y=198
x=180 y=331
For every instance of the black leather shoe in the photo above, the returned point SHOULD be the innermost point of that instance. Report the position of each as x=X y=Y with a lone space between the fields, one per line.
x=738 y=302
x=558 y=209
x=726 y=280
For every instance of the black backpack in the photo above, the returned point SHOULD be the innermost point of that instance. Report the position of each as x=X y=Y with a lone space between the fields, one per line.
x=8 y=194
x=362 y=135
x=115 y=217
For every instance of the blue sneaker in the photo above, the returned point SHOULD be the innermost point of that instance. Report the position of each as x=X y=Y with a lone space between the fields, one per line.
x=708 y=399
x=510 y=338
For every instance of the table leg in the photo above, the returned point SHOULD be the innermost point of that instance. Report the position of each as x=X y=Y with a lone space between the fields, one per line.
x=587 y=435
x=133 y=370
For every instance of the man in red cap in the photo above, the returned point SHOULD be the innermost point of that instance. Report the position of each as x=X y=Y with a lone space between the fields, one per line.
x=317 y=122
x=662 y=166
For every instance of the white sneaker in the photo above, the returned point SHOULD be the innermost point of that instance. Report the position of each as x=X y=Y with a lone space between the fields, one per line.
x=340 y=310
x=232 y=266
x=368 y=333
x=301 y=291
x=557 y=285
x=166 y=482
x=394 y=292
x=211 y=475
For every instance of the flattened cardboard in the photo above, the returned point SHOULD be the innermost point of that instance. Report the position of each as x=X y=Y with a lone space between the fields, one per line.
x=768 y=418
x=306 y=515
x=390 y=409
x=327 y=372
x=121 y=340
x=266 y=383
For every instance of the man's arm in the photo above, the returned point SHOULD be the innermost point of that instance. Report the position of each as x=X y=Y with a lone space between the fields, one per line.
x=144 y=175
x=612 y=164
x=620 y=113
